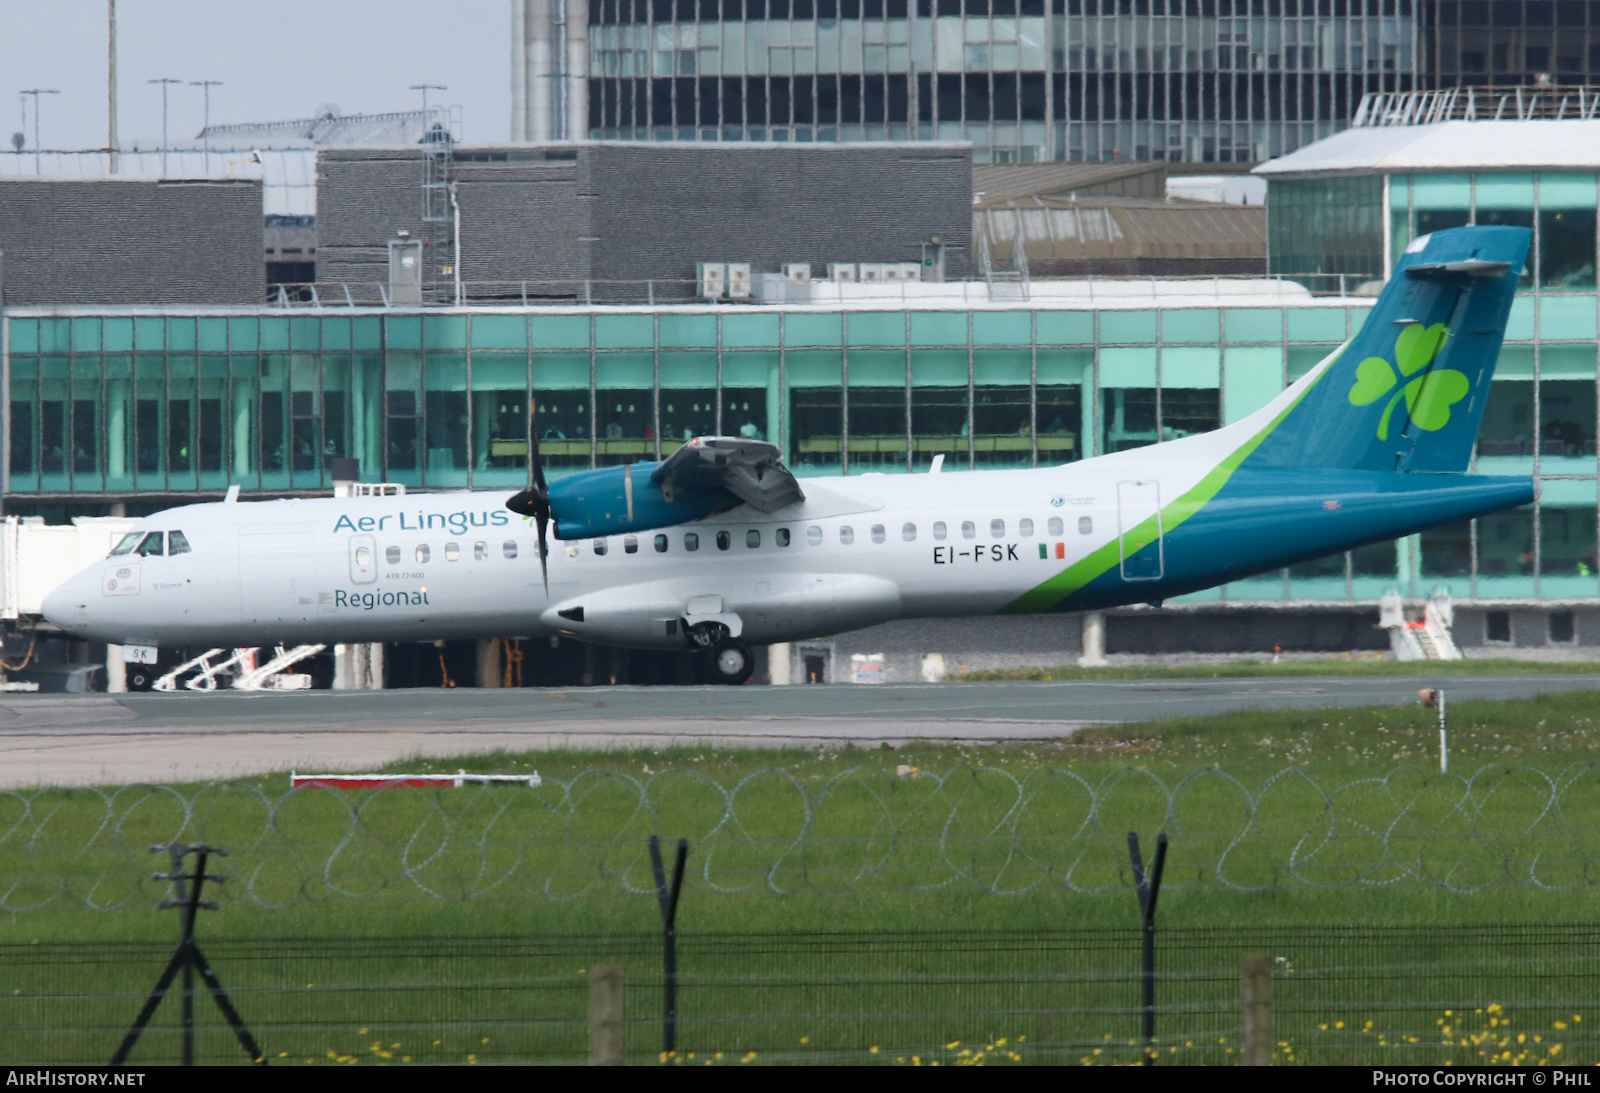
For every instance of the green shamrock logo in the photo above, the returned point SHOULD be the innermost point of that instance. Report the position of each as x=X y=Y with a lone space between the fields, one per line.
x=1429 y=396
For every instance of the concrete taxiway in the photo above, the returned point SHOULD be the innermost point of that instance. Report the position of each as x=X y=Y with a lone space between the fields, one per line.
x=104 y=739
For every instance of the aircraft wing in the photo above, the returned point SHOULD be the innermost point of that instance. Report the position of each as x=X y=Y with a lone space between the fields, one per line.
x=751 y=470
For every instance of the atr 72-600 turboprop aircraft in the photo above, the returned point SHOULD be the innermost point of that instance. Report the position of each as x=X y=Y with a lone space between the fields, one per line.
x=719 y=546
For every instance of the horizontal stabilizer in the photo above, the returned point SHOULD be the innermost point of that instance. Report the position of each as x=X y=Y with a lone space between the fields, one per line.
x=1472 y=267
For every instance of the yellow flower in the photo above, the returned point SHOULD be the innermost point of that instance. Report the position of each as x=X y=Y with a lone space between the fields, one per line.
x=873 y=1050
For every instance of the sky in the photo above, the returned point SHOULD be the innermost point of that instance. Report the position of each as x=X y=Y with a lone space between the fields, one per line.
x=278 y=60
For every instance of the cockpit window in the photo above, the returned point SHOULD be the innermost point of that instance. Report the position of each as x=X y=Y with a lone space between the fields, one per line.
x=177 y=543
x=129 y=541
x=151 y=546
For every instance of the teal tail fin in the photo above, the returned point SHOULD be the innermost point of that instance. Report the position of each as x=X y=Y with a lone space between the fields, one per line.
x=1408 y=392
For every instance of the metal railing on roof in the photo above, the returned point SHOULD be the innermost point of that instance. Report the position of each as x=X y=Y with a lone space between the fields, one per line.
x=1535 y=102
x=324 y=295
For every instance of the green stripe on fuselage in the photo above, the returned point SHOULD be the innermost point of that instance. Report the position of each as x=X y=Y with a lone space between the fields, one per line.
x=1047 y=595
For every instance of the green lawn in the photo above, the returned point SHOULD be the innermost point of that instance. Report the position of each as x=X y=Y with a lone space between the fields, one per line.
x=456 y=925
x=1257 y=669
x=1374 y=835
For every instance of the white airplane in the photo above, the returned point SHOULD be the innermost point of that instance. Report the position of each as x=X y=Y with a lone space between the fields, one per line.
x=719 y=546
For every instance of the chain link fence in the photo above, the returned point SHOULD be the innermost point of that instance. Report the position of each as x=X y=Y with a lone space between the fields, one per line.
x=1341 y=995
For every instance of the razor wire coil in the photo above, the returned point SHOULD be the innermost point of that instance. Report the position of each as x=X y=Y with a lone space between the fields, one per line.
x=982 y=828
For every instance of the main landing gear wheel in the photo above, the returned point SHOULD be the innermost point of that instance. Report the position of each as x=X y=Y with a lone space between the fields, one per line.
x=140 y=677
x=729 y=662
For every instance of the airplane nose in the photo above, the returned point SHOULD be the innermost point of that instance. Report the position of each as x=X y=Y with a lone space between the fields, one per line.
x=67 y=607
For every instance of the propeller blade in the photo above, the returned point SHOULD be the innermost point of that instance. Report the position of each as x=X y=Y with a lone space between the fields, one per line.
x=537 y=485
x=541 y=522
x=627 y=487
x=535 y=463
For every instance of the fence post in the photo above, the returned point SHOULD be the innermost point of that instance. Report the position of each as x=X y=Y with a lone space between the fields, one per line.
x=607 y=1036
x=1257 y=1010
x=1147 y=886
x=667 y=898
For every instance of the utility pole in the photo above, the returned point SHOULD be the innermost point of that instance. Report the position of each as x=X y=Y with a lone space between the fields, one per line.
x=164 y=82
x=111 y=82
x=206 y=86
x=38 y=167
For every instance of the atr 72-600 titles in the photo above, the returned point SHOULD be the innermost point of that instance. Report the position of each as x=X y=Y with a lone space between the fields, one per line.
x=719 y=546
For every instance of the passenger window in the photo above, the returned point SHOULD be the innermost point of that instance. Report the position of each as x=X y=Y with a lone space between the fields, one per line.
x=480 y=551
x=661 y=544
x=969 y=530
x=1055 y=525
x=363 y=557
x=691 y=541
x=509 y=548
x=1085 y=525
x=630 y=544
x=877 y=533
x=391 y=555
x=422 y=552
x=908 y=532
x=782 y=536
x=178 y=543
x=572 y=550
x=151 y=547
x=847 y=535
x=1024 y=527
x=599 y=546
x=724 y=540
x=814 y=535
x=939 y=530
x=997 y=528
x=452 y=552
x=129 y=541
x=752 y=538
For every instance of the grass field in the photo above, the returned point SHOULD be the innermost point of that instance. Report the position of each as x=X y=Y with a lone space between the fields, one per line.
x=1046 y=824
x=1258 y=669
x=457 y=925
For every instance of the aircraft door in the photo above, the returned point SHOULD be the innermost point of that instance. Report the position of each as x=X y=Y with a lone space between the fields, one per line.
x=277 y=574
x=1139 y=531
x=363 y=559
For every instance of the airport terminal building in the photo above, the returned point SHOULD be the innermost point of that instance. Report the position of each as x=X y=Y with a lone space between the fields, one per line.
x=143 y=406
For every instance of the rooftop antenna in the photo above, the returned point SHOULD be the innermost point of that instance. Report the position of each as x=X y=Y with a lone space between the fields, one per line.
x=38 y=168
x=425 y=88
x=164 y=81
x=206 y=86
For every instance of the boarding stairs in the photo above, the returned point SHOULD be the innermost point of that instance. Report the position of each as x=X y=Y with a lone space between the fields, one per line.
x=1427 y=638
x=203 y=673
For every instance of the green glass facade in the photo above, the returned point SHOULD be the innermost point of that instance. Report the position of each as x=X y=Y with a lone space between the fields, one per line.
x=162 y=406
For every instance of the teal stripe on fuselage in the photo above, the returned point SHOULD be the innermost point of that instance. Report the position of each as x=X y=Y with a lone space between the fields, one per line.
x=1263 y=520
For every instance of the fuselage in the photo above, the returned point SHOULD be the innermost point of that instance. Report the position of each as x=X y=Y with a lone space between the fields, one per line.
x=857 y=551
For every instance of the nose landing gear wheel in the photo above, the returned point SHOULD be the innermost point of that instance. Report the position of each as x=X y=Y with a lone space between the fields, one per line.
x=729 y=662
x=141 y=677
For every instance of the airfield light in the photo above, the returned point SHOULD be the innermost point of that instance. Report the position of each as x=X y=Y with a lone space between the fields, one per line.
x=1433 y=698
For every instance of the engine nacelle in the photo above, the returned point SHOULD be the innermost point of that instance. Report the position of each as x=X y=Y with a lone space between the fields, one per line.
x=759 y=608
x=595 y=503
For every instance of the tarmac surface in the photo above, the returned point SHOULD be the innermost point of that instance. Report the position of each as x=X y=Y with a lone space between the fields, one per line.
x=118 y=739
